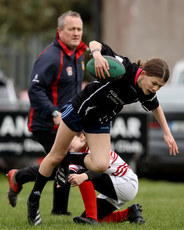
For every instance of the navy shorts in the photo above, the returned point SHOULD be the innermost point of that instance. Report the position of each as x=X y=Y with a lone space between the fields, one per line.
x=77 y=123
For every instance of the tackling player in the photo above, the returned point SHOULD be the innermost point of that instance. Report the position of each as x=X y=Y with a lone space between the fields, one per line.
x=117 y=186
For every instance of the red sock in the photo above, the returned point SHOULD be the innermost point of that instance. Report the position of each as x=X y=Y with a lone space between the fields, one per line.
x=89 y=199
x=118 y=216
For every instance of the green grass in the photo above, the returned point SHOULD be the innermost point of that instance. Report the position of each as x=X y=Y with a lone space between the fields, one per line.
x=162 y=201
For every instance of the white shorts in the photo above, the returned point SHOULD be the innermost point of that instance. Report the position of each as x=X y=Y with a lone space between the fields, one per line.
x=126 y=188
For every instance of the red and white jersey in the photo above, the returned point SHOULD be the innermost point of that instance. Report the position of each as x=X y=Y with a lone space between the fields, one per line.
x=118 y=167
x=125 y=181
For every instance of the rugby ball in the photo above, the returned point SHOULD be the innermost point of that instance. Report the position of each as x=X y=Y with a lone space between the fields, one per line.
x=116 y=68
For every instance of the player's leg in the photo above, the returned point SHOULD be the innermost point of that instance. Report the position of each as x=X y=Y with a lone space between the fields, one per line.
x=19 y=177
x=133 y=213
x=58 y=152
x=104 y=208
x=16 y=179
x=125 y=192
x=89 y=199
x=99 y=157
x=60 y=199
x=101 y=184
x=104 y=185
x=106 y=212
x=60 y=196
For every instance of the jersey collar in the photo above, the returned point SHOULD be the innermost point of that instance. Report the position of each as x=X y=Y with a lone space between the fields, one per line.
x=82 y=46
x=137 y=75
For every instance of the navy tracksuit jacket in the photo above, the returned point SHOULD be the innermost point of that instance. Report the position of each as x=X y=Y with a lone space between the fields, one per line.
x=56 y=77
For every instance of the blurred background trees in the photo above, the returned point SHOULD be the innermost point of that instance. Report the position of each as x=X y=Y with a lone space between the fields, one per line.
x=27 y=26
x=24 y=18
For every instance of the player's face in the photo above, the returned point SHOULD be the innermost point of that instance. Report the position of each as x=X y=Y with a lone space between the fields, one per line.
x=150 y=84
x=77 y=143
x=71 y=34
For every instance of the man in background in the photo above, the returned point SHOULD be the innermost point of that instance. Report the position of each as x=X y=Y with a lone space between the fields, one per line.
x=56 y=77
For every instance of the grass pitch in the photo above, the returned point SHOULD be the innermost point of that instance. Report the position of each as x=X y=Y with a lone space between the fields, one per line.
x=162 y=201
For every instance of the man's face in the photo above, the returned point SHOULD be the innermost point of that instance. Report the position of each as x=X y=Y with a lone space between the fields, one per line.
x=71 y=34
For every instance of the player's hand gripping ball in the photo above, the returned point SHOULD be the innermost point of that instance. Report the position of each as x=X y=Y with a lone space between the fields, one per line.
x=116 y=69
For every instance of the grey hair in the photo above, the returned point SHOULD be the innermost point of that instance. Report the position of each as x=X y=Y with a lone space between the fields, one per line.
x=61 y=19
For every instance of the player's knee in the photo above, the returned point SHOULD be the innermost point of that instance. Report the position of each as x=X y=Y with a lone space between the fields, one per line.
x=59 y=159
x=56 y=159
x=101 y=167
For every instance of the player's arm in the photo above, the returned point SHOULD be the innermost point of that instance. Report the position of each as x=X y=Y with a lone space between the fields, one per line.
x=101 y=63
x=77 y=179
x=169 y=139
x=43 y=75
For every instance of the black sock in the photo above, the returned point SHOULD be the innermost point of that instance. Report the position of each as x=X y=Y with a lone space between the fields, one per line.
x=26 y=174
x=77 y=158
x=39 y=184
x=60 y=198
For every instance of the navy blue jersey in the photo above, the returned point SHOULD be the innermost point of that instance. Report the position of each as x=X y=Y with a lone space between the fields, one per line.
x=56 y=77
x=101 y=101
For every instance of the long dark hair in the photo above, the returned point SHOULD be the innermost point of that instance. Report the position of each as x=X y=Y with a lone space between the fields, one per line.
x=155 y=67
